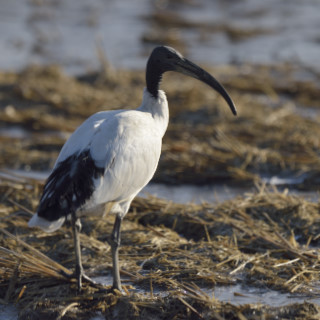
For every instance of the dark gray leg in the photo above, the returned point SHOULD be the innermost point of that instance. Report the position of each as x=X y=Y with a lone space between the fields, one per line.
x=79 y=274
x=76 y=227
x=114 y=241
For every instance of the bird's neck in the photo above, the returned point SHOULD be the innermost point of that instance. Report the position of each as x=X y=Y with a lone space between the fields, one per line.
x=158 y=108
x=153 y=78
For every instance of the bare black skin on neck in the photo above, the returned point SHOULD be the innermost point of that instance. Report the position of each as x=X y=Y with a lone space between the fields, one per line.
x=161 y=60
x=153 y=76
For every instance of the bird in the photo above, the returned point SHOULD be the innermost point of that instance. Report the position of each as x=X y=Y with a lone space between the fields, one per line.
x=111 y=157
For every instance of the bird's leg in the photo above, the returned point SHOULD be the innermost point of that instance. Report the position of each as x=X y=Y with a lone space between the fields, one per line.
x=76 y=227
x=114 y=241
x=79 y=274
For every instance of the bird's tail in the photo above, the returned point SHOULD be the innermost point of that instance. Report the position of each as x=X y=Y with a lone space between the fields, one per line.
x=44 y=224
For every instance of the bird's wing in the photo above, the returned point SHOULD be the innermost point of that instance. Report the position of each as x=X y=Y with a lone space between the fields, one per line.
x=81 y=139
x=72 y=181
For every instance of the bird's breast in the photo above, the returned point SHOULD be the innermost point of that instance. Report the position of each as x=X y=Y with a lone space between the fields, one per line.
x=135 y=156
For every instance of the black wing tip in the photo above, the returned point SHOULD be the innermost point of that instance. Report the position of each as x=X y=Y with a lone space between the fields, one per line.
x=69 y=186
x=50 y=213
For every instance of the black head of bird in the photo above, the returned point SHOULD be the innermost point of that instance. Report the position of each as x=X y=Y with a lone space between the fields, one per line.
x=163 y=59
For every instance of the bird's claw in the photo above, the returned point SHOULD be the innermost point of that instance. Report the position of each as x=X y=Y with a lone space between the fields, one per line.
x=81 y=276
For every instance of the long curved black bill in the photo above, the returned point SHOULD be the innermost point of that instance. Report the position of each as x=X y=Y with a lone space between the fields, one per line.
x=190 y=69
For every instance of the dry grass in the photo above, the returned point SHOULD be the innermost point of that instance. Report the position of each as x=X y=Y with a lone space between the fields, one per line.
x=169 y=251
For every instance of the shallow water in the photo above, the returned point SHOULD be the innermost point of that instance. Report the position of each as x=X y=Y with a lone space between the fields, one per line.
x=67 y=32
x=8 y=312
x=18 y=132
x=192 y=193
x=236 y=294
x=188 y=193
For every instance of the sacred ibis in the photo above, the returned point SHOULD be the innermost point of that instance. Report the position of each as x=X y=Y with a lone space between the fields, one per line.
x=112 y=156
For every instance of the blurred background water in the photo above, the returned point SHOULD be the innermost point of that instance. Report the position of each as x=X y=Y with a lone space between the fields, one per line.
x=66 y=32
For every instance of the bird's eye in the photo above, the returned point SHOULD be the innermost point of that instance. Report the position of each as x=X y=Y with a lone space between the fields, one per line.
x=169 y=56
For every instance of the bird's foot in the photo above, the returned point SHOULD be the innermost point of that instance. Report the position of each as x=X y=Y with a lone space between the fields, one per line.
x=80 y=276
x=90 y=281
x=115 y=289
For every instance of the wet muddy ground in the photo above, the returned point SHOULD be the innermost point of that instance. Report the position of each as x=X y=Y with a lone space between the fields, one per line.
x=172 y=255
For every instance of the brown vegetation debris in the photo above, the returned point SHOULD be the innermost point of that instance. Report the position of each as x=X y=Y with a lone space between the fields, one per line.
x=170 y=254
